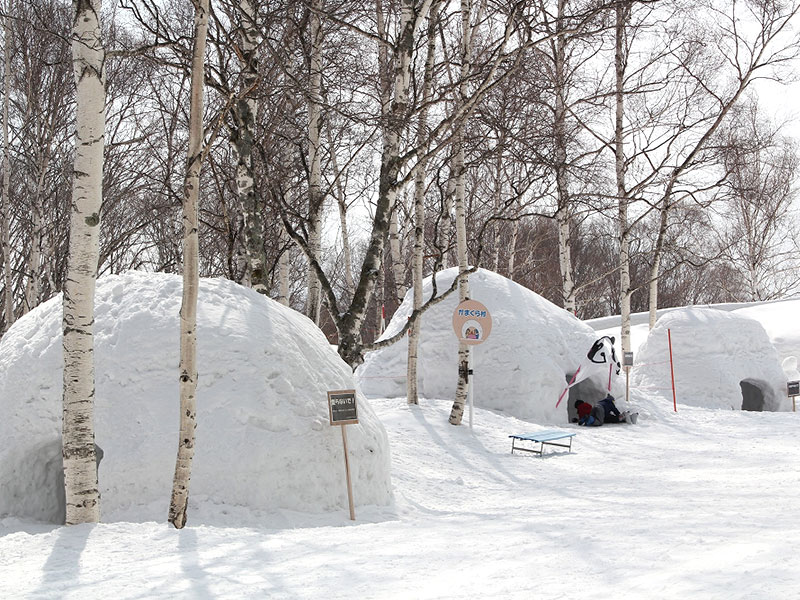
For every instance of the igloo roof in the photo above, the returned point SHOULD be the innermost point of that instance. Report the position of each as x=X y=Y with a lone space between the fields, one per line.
x=713 y=352
x=520 y=368
x=263 y=436
x=779 y=319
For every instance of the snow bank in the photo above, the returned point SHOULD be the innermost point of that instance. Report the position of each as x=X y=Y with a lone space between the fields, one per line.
x=779 y=319
x=263 y=436
x=714 y=352
x=522 y=366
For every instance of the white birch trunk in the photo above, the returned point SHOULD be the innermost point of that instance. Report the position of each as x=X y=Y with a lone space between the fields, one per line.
x=565 y=259
x=419 y=211
x=80 y=467
x=462 y=386
x=283 y=268
x=622 y=196
x=512 y=258
x=396 y=253
x=242 y=142
x=563 y=215
x=8 y=298
x=191 y=283
x=315 y=197
x=34 y=264
x=498 y=202
x=447 y=222
x=341 y=201
x=347 y=255
x=657 y=254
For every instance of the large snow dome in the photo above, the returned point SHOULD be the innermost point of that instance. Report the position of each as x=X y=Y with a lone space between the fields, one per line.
x=721 y=360
x=521 y=368
x=263 y=436
x=779 y=319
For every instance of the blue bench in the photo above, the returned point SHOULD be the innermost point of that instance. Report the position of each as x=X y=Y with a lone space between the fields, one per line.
x=546 y=437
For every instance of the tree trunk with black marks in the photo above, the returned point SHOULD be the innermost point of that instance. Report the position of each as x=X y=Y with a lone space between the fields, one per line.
x=80 y=470
x=191 y=283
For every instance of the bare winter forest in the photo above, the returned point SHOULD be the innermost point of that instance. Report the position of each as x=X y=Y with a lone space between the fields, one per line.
x=610 y=155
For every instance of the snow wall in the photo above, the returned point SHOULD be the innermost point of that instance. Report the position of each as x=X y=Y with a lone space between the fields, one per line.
x=718 y=358
x=520 y=369
x=263 y=436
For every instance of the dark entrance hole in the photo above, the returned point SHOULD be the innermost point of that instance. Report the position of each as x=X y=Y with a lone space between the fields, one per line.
x=584 y=390
x=752 y=396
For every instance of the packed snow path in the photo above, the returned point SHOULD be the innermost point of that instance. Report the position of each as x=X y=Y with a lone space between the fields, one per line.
x=699 y=504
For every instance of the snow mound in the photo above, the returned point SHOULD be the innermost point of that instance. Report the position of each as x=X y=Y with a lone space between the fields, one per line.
x=779 y=319
x=522 y=366
x=263 y=436
x=721 y=360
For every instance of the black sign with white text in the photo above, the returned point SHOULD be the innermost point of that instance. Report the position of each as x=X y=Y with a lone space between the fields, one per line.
x=342 y=406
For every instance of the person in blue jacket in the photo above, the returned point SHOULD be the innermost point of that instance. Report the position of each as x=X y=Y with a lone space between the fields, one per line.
x=604 y=411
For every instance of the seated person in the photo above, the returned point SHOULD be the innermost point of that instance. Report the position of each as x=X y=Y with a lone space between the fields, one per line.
x=604 y=412
x=584 y=411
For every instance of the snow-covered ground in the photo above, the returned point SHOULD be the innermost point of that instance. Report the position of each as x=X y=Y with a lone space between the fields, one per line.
x=698 y=504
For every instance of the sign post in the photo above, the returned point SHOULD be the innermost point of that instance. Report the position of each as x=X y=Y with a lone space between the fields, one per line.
x=343 y=411
x=627 y=362
x=472 y=324
x=793 y=387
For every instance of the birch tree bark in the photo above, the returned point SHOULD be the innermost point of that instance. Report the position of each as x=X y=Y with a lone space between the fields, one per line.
x=188 y=315
x=8 y=297
x=396 y=254
x=623 y=231
x=78 y=450
x=244 y=112
x=341 y=201
x=563 y=214
x=419 y=208
x=315 y=195
x=462 y=386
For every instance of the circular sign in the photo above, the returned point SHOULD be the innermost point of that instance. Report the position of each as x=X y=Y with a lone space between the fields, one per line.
x=472 y=322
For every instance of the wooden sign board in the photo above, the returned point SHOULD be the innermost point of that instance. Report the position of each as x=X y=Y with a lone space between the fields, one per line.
x=342 y=407
x=794 y=388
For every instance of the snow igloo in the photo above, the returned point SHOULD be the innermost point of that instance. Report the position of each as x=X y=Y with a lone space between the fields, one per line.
x=263 y=438
x=721 y=360
x=534 y=349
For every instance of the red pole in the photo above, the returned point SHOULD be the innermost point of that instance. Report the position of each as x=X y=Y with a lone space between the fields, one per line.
x=610 y=366
x=561 y=397
x=672 y=370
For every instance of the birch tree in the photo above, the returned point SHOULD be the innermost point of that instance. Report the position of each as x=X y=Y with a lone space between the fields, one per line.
x=462 y=385
x=80 y=467
x=315 y=195
x=5 y=232
x=755 y=39
x=243 y=112
x=188 y=314
x=419 y=206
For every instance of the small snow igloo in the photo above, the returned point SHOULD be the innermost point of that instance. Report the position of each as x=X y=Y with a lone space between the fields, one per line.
x=522 y=368
x=263 y=438
x=721 y=360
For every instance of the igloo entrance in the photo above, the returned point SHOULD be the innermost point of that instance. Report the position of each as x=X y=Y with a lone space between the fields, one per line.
x=752 y=396
x=585 y=390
